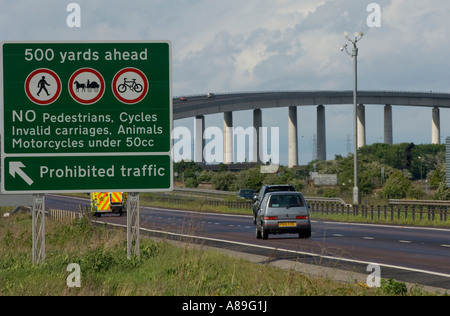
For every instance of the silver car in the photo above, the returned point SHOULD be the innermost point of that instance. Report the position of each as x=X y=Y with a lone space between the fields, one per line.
x=283 y=213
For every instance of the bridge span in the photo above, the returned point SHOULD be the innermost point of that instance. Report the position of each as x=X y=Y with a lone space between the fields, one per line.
x=200 y=105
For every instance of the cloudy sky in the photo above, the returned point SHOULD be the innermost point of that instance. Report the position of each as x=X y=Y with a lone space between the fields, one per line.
x=266 y=45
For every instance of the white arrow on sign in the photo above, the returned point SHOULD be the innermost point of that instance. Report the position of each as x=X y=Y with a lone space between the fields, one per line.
x=15 y=167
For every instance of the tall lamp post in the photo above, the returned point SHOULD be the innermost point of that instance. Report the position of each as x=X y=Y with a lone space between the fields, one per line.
x=354 y=55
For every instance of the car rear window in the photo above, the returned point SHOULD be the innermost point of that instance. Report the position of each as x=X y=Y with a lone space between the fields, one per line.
x=278 y=189
x=286 y=201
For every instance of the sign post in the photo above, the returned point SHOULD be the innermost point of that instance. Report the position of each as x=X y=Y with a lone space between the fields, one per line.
x=85 y=117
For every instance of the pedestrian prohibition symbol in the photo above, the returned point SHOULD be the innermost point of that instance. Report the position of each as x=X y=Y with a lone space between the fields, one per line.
x=43 y=86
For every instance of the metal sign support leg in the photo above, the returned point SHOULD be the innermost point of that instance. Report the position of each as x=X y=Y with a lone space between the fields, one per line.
x=133 y=225
x=38 y=219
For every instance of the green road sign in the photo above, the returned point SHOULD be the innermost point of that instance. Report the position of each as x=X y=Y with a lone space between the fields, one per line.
x=85 y=100
x=87 y=173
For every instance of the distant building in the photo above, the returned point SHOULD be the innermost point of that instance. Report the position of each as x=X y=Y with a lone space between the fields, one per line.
x=323 y=179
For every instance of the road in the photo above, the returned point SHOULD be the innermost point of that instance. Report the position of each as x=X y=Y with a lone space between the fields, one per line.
x=415 y=255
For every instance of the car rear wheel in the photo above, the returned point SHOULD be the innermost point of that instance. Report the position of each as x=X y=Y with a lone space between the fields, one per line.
x=258 y=233
x=264 y=233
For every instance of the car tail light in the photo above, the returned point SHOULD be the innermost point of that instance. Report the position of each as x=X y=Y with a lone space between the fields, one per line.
x=302 y=217
x=270 y=218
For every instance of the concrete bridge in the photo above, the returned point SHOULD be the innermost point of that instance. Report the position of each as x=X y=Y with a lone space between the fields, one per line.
x=200 y=105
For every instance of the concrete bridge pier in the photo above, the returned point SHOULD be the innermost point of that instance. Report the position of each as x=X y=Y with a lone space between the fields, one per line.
x=436 y=126
x=257 y=136
x=199 y=141
x=293 y=141
x=228 y=138
x=388 y=135
x=321 y=134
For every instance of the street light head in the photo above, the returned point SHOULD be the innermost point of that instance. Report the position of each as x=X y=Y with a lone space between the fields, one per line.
x=346 y=33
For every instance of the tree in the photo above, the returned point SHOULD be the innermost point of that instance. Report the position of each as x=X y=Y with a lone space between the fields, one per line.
x=250 y=179
x=396 y=187
x=224 y=181
x=442 y=193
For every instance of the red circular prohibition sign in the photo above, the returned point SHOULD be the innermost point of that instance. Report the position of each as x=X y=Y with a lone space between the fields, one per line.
x=140 y=96
x=58 y=86
x=99 y=77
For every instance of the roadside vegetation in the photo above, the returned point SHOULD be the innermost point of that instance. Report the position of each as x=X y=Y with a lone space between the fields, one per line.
x=162 y=269
x=383 y=174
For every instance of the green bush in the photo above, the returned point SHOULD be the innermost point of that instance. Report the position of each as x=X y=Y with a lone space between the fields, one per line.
x=442 y=193
x=190 y=183
x=392 y=287
x=224 y=181
x=396 y=187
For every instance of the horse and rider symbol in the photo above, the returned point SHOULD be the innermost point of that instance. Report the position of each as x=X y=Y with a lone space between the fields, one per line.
x=86 y=86
x=89 y=86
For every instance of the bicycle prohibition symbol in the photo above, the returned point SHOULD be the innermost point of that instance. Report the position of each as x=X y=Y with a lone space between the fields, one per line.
x=131 y=84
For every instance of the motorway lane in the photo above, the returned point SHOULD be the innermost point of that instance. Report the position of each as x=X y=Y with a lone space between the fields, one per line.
x=62 y=202
x=414 y=248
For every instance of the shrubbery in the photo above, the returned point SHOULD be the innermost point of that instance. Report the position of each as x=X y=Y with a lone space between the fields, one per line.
x=380 y=166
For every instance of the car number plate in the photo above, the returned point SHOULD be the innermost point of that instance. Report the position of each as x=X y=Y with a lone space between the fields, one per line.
x=287 y=224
